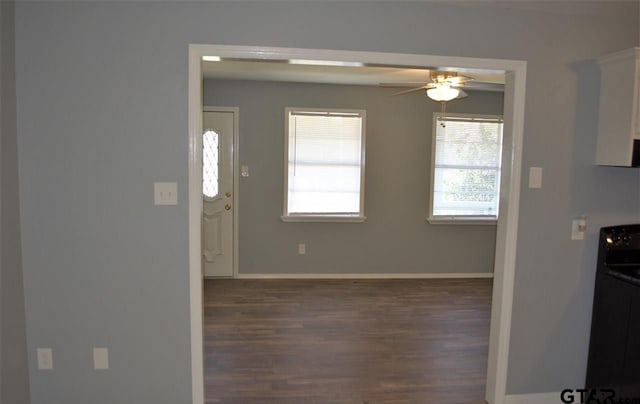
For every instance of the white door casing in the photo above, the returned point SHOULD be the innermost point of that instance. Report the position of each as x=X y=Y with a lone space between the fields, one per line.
x=506 y=245
x=217 y=193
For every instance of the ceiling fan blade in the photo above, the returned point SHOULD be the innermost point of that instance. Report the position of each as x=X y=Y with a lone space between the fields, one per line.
x=458 y=80
x=461 y=94
x=403 y=84
x=411 y=91
x=484 y=86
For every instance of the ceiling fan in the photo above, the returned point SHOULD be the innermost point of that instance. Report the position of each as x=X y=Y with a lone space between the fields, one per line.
x=478 y=81
x=444 y=87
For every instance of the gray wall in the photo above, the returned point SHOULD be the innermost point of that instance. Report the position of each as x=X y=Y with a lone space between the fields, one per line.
x=395 y=238
x=102 y=113
x=3 y=45
x=14 y=386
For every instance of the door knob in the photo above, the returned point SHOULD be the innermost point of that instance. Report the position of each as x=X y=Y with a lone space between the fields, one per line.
x=228 y=194
x=227 y=207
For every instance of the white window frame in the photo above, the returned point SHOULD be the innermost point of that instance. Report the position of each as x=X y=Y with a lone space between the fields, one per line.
x=321 y=217
x=457 y=219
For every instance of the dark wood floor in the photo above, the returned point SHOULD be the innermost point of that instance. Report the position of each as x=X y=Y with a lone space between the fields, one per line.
x=346 y=341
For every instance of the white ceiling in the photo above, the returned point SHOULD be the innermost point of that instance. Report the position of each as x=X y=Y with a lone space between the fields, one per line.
x=366 y=75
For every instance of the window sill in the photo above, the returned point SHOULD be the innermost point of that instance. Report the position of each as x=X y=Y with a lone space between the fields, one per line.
x=456 y=220
x=324 y=218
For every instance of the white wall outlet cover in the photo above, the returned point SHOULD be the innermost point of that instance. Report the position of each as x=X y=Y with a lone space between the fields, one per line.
x=165 y=193
x=535 y=177
x=244 y=171
x=45 y=358
x=100 y=358
x=302 y=248
x=578 y=228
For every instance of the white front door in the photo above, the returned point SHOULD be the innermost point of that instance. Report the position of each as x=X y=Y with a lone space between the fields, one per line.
x=217 y=190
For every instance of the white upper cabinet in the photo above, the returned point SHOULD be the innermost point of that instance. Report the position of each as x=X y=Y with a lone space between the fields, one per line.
x=619 y=123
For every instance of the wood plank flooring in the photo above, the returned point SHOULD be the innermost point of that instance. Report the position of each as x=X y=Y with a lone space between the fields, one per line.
x=346 y=341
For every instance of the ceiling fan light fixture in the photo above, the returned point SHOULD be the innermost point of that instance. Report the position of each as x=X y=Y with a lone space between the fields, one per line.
x=443 y=93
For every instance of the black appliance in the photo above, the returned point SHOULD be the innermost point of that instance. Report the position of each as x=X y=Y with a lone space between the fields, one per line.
x=614 y=348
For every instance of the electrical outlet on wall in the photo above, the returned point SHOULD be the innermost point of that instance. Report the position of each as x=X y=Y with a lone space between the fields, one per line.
x=45 y=358
x=535 y=177
x=101 y=358
x=578 y=228
x=302 y=248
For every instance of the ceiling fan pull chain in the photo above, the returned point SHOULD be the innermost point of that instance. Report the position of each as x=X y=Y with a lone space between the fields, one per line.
x=442 y=120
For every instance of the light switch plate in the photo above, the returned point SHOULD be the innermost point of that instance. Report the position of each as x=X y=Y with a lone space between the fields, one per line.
x=165 y=193
x=535 y=177
x=244 y=171
x=45 y=358
x=100 y=358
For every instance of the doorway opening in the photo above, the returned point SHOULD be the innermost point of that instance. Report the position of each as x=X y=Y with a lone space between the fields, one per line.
x=514 y=71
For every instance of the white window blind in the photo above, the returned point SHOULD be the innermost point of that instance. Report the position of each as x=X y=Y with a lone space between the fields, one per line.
x=466 y=179
x=325 y=158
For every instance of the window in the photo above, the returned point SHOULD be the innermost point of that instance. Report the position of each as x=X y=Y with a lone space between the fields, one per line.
x=324 y=167
x=466 y=156
x=210 y=163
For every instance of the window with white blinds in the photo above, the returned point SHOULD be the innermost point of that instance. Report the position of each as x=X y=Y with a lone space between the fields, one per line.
x=324 y=171
x=467 y=152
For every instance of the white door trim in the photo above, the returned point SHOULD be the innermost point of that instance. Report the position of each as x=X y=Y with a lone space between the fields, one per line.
x=195 y=212
x=507 y=223
x=236 y=195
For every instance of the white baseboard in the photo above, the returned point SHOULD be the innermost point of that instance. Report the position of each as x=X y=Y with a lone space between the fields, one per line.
x=368 y=276
x=539 y=398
